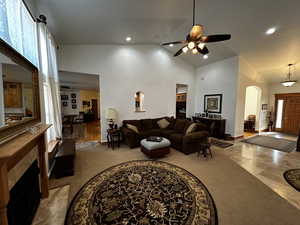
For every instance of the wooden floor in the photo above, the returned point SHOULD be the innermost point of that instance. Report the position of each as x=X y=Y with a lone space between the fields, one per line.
x=85 y=132
x=249 y=134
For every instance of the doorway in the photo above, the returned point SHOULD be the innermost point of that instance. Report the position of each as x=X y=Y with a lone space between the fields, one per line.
x=80 y=106
x=287 y=113
x=181 y=98
x=252 y=110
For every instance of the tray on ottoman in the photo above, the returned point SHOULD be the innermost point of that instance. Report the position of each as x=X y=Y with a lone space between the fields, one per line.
x=155 y=149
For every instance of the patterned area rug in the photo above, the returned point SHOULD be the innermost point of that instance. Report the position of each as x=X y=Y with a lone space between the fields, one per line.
x=143 y=192
x=293 y=178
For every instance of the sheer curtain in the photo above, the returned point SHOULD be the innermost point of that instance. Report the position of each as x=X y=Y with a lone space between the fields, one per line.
x=49 y=74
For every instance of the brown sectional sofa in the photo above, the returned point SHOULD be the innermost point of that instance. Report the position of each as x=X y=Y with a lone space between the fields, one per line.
x=175 y=132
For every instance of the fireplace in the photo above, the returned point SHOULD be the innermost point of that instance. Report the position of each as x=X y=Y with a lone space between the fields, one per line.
x=24 y=197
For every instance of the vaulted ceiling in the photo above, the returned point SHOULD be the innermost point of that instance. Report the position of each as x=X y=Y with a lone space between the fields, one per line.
x=157 y=21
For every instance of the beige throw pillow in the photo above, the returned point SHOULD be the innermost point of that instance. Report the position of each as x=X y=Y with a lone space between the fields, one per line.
x=132 y=127
x=191 y=128
x=163 y=123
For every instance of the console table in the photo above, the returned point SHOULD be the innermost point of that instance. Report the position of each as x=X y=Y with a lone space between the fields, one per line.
x=11 y=153
x=219 y=126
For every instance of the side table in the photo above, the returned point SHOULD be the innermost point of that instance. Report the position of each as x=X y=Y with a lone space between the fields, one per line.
x=113 y=137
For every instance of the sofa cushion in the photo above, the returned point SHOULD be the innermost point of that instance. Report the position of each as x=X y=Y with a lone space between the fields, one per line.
x=187 y=124
x=163 y=123
x=180 y=125
x=147 y=124
x=132 y=127
x=136 y=123
x=167 y=132
x=148 y=133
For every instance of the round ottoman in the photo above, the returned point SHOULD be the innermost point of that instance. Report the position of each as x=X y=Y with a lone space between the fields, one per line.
x=155 y=149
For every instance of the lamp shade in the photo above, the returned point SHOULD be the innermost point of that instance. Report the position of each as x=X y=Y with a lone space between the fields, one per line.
x=111 y=114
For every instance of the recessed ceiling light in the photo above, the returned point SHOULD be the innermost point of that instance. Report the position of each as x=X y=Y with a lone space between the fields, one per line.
x=271 y=30
x=128 y=39
x=171 y=45
x=205 y=57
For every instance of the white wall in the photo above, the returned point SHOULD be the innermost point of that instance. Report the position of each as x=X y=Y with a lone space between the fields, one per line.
x=125 y=70
x=219 y=78
x=249 y=77
x=251 y=103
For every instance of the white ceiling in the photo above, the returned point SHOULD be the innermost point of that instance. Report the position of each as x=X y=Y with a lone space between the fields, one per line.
x=75 y=80
x=156 y=21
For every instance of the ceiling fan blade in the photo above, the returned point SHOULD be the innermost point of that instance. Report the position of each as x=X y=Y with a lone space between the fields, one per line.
x=174 y=43
x=203 y=51
x=215 y=38
x=179 y=52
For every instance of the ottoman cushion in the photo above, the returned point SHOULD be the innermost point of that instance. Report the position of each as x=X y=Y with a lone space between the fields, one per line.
x=151 y=145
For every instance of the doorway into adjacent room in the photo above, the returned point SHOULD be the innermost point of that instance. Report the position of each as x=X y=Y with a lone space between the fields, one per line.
x=287 y=113
x=181 y=98
x=252 y=110
x=80 y=106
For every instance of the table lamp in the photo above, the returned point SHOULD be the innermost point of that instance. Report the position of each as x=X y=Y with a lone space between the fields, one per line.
x=111 y=116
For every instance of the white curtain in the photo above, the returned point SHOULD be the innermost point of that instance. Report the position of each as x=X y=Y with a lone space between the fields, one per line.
x=49 y=74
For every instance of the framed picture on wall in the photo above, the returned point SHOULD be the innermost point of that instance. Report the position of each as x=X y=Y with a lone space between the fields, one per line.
x=264 y=107
x=74 y=101
x=213 y=103
x=64 y=97
x=74 y=106
x=73 y=95
x=65 y=104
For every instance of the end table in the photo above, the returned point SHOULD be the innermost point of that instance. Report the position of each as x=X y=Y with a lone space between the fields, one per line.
x=113 y=137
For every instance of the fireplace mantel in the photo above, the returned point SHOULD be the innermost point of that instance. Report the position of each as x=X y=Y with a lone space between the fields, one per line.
x=11 y=153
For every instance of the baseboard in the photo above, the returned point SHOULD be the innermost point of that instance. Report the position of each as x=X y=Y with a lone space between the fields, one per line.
x=238 y=137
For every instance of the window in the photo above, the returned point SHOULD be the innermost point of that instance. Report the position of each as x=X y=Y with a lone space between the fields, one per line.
x=18 y=29
x=279 y=114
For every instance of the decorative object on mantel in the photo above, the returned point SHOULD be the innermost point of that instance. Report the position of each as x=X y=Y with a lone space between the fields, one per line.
x=154 y=188
x=213 y=103
x=288 y=82
x=111 y=116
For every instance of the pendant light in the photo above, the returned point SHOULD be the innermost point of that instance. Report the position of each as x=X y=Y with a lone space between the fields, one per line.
x=289 y=82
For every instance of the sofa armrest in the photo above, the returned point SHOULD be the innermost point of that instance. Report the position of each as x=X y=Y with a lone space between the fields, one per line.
x=196 y=137
x=131 y=138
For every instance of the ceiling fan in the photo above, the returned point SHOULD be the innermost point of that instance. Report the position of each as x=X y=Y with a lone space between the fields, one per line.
x=195 y=40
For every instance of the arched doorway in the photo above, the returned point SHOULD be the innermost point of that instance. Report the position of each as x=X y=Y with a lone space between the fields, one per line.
x=252 y=110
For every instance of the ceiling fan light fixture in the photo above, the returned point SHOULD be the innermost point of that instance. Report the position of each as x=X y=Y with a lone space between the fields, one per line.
x=201 y=45
x=195 y=51
x=205 y=57
x=128 y=39
x=185 y=49
x=191 y=45
x=171 y=45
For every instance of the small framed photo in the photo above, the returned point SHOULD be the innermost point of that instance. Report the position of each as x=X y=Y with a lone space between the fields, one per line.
x=74 y=101
x=65 y=104
x=64 y=97
x=73 y=95
x=264 y=106
x=203 y=114
x=74 y=106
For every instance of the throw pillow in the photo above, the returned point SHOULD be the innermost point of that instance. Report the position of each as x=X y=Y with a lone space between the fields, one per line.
x=132 y=127
x=191 y=128
x=163 y=123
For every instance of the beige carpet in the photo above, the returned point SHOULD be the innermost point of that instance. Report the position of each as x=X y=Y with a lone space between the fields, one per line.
x=241 y=199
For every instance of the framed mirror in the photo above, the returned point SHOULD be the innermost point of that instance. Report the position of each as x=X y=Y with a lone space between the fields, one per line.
x=19 y=93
